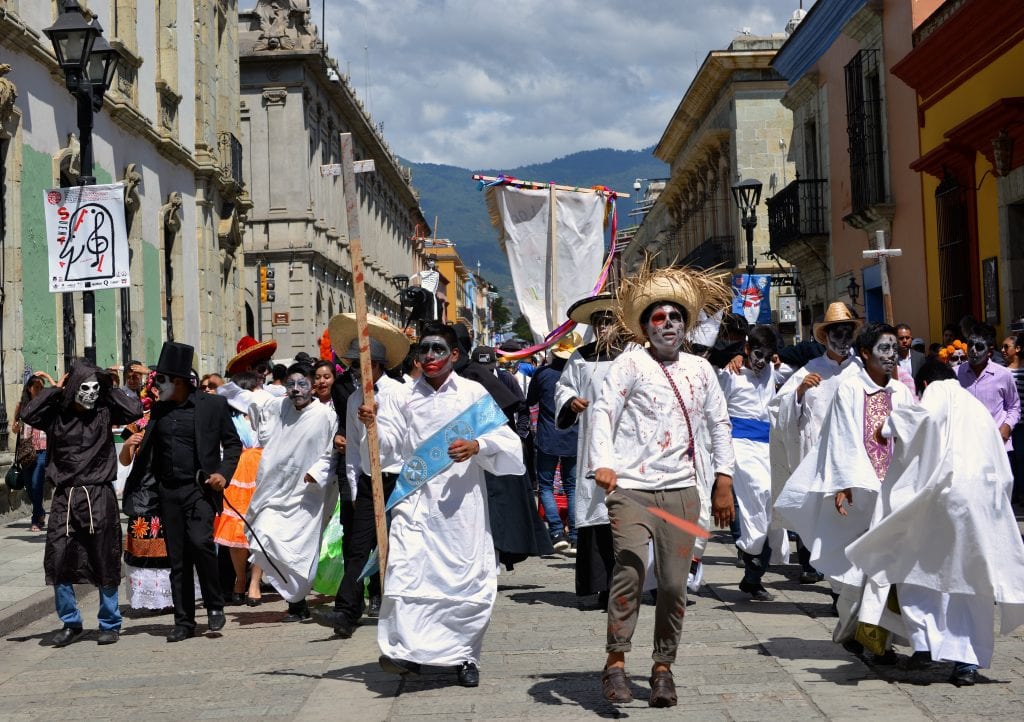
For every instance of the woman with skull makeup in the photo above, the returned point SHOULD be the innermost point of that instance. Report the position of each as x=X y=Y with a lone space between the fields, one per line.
x=83 y=539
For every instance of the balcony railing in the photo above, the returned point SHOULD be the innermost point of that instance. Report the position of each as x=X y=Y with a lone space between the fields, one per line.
x=231 y=157
x=797 y=211
x=715 y=251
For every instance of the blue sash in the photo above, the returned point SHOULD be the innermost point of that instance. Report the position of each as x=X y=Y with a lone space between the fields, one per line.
x=431 y=457
x=750 y=429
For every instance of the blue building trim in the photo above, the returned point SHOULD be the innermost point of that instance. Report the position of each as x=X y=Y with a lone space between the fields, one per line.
x=814 y=36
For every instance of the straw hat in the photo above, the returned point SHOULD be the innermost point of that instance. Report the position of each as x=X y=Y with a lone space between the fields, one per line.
x=691 y=289
x=582 y=310
x=248 y=352
x=342 y=330
x=837 y=312
x=566 y=345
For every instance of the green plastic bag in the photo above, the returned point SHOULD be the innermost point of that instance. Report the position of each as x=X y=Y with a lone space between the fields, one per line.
x=331 y=567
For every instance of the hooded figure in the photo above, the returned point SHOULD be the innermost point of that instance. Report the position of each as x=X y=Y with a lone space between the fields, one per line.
x=83 y=538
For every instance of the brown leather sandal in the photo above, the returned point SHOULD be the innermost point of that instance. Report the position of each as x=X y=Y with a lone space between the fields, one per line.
x=663 y=689
x=615 y=685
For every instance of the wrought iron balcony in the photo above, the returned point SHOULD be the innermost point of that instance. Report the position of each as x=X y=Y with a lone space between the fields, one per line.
x=797 y=212
x=715 y=251
x=231 y=157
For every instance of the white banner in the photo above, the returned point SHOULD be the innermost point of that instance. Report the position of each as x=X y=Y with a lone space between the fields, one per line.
x=548 y=283
x=86 y=238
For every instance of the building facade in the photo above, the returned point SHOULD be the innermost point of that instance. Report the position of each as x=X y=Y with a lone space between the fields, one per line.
x=965 y=67
x=168 y=129
x=295 y=106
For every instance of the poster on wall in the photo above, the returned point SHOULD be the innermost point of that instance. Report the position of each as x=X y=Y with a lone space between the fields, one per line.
x=86 y=238
x=750 y=297
x=990 y=289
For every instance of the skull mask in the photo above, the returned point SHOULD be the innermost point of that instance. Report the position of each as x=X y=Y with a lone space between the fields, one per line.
x=88 y=393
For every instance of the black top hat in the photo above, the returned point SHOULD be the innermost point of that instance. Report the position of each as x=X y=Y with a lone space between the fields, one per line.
x=175 y=359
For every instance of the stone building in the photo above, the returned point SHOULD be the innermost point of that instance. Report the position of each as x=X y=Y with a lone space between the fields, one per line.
x=169 y=129
x=295 y=106
x=729 y=126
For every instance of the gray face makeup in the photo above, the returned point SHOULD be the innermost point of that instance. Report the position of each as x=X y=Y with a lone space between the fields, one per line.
x=840 y=337
x=164 y=385
x=434 y=355
x=885 y=352
x=759 y=357
x=88 y=393
x=665 y=330
x=978 y=350
x=300 y=390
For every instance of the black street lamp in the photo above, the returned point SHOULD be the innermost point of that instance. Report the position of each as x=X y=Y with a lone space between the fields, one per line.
x=853 y=289
x=747 y=194
x=88 y=63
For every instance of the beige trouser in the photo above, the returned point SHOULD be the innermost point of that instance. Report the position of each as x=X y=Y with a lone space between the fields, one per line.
x=632 y=527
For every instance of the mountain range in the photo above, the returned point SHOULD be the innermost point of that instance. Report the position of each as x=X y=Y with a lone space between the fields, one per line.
x=451 y=196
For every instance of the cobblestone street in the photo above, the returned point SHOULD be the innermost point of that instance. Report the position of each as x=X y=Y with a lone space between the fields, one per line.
x=739 y=661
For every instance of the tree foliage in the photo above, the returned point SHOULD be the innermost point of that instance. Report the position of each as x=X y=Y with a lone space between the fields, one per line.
x=521 y=328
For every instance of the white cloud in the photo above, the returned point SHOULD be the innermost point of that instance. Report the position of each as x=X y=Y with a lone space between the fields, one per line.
x=497 y=85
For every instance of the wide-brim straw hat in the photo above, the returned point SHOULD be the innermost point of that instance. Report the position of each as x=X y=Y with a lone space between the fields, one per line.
x=691 y=289
x=248 y=352
x=342 y=330
x=566 y=345
x=582 y=310
x=837 y=312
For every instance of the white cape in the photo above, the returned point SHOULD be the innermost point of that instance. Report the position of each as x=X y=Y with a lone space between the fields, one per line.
x=285 y=511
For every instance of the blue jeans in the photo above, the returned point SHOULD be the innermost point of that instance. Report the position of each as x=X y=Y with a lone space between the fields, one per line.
x=35 y=479
x=67 y=607
x=546 y=464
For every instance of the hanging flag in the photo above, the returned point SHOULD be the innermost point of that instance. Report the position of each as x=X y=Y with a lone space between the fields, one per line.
x=750 y=297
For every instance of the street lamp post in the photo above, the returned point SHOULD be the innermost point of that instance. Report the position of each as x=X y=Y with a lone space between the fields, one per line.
x=88 y=63
x=747 y=194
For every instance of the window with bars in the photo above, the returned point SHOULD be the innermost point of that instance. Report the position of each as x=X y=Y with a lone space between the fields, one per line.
x=953 y=225
x=865 y=128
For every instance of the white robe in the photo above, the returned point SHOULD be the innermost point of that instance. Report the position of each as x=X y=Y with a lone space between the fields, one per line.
x=807 y=502
x=747 y=395
x=285 y=511
x=441 y=579
x=943 y=531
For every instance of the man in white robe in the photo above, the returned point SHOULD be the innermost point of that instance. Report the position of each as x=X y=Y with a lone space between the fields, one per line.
x=297 y=435
x=943 y=533
x=830 y=498
x=797 y=411
x=441 y=578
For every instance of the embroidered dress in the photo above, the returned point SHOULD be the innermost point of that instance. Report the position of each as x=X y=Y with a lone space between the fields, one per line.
x=877 y=407
x=228 y=527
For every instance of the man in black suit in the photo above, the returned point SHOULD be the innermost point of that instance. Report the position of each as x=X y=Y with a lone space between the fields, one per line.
x=182 y=448
x=910 y=360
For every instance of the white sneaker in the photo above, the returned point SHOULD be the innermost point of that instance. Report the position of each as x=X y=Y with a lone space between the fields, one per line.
x=694 y=580
x=561 y=544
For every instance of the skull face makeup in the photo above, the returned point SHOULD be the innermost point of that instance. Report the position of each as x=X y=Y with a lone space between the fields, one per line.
x=978 y=350
x=88 y=393
x=164 y=385
x=602 y=323
x=666 y=330
x=300 y=390
x=840 y=338
x=884 y=356
x=435 y=356
x=759 y=358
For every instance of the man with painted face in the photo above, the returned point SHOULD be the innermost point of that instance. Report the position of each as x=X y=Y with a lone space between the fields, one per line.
x=644 y=441
x=830 y=498
x=191 y=448
x=441 y=578
x=285 y=514
x=747 y=395
x=83 y=538
x=798 y=410
x=991 y=384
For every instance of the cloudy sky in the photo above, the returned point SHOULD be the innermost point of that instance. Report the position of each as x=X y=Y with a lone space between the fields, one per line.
x=487 y=84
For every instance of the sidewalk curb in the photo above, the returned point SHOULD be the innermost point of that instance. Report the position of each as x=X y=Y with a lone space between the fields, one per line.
x=38 y=606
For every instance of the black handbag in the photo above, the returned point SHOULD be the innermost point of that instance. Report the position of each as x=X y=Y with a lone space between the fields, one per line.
x=13 y=478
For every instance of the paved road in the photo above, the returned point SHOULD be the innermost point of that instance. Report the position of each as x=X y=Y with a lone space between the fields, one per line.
x=542 y=655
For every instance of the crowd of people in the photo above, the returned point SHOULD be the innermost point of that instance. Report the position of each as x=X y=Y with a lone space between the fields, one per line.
x=887 y=466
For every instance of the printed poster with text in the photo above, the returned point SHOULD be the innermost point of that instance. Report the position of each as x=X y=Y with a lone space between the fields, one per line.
x=86 y=238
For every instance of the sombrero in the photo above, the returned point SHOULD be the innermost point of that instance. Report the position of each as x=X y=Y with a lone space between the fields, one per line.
x=692 y=290
x=566 y=345
x=342 y=330
x=248 y=352
x=582 y=310
x=837 y=312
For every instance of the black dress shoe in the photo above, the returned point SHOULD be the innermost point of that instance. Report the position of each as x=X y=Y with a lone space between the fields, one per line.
x=811 y=577
x=344 y=629
x=238 y=597
x=964 y=677
x=215 y=619
x=327 y=617
x=253 y=601
x=469 y=675
x=297 y=616
x=108 y=636
x=67 y=635
x=180 y=634
x=373 y=611
x=757 y=592
x=397 y=666
x=919 y=660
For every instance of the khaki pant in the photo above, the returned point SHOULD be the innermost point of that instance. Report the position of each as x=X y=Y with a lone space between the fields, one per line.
x=632 y=527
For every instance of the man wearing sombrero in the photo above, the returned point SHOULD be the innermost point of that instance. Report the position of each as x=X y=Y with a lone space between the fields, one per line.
x=253 y=355
x=645 y=420
x=798 y=410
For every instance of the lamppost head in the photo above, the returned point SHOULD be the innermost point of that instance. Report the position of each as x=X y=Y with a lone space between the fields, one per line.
x=72 y=37
x=747 y=194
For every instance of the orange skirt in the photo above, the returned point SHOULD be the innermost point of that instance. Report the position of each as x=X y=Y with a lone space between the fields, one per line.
x=228 y=527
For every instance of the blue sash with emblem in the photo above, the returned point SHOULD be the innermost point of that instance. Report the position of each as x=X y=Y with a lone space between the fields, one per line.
x=431 y=457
